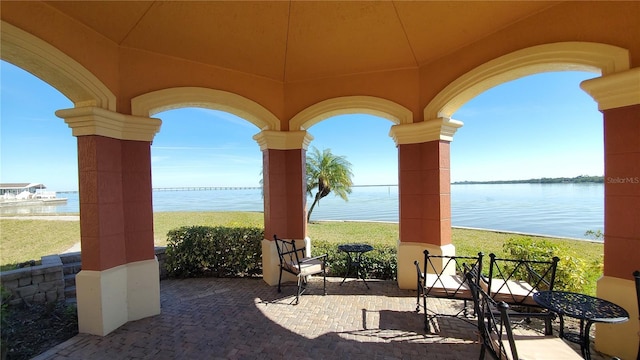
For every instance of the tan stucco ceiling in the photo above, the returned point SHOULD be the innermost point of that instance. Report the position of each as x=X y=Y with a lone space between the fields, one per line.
x=299 y=40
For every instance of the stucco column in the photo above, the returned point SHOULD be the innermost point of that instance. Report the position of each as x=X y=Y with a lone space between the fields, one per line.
x=424 y=190
x=119 y=281
x=284 y=189
x=618 y=97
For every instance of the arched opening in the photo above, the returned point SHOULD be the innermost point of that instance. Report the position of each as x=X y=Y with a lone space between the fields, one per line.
x=99 y=142
x=540 y=127
x=222 y=124
x=613 y=63
x=36 y=147
x=529 y=160
x=363 y=140
x=562 y=56
x=369 y=105
x=370 y=215
x=56 y=68
x=204 y=161
x=357 y=128
x=174 y=98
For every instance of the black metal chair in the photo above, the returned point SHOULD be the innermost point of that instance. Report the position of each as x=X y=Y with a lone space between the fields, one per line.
x=514 y=281
x=497 y=337
x=636 y=275
x=293 y=261
x=443 y=277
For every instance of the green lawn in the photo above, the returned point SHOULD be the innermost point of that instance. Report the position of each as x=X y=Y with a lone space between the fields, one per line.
x=466 y=241
x=165 y=221
x=23 y=240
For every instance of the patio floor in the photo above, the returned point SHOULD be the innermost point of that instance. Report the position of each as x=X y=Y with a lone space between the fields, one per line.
x=211 y=318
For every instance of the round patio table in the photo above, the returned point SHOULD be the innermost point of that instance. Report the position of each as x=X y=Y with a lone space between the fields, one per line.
x=354 y=259
x=587 y=309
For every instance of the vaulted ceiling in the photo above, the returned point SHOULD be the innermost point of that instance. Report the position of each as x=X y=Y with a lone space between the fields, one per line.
x=293 y=41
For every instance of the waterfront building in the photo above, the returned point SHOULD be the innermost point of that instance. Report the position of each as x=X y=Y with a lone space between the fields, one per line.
x=20 y=190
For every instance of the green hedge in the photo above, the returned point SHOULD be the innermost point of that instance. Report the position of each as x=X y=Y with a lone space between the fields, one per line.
x=572 y=274
x=194 y=251
x=219 y=251
x=380 y=263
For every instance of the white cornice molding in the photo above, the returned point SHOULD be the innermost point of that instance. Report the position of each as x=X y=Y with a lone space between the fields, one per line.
x=154 y=102
x=430 y=130
x=582 y=56
x=615 y=90
x=96 y=121
x=283 y=140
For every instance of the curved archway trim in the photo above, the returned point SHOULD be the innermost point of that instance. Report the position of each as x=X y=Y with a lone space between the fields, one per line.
x=149 y=104
x=370 y=105
x=55 y=68
x=562 y=56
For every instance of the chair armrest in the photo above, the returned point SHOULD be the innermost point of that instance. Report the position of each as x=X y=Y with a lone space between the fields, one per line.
x=323 y=256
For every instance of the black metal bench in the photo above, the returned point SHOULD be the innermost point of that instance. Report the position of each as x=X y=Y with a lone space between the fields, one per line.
x=442 y=276
x=514 y=281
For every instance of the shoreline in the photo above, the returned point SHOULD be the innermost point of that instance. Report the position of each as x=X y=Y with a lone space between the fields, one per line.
x=58 y=217
x=494 y=208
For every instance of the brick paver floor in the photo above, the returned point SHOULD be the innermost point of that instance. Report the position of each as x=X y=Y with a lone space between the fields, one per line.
x=211 y=318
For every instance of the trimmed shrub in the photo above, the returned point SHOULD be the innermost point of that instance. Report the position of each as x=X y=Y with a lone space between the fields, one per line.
x=525 y=248
x=194 y=251
x=572 y=273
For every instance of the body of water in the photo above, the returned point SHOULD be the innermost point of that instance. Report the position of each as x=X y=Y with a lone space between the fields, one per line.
x=564 y=210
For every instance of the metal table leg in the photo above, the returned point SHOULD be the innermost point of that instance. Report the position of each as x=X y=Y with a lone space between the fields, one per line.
x=359 y=272
x=357 y=266
x=348 y=268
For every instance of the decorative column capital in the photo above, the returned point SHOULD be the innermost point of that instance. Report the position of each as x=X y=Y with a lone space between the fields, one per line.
x=428 y=130
x=92 y=120
x=615 y=90
x=283 y=140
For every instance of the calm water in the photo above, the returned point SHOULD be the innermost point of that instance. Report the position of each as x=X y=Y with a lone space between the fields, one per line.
x=566 y=210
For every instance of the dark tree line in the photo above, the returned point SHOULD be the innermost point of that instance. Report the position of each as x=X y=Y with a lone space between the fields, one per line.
x=558 y=180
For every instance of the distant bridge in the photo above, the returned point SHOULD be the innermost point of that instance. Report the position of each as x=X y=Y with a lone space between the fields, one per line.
x=204 y=188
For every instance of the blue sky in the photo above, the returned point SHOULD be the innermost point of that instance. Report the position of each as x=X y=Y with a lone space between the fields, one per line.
x=539 y=126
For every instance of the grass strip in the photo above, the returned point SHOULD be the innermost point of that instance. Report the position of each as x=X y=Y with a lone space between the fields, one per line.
x=24 y=240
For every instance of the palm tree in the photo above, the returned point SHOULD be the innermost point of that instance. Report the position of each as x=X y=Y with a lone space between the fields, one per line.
x=328 y=173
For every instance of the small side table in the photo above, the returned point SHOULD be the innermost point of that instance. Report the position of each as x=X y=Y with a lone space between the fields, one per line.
x=354 y=259
x=586 y=308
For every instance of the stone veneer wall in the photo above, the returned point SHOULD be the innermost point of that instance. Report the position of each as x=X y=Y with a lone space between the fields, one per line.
x=45 y=283
x=160 y=254
x=35 y=284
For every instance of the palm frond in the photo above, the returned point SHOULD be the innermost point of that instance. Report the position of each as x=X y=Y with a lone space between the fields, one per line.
x=327 y=172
